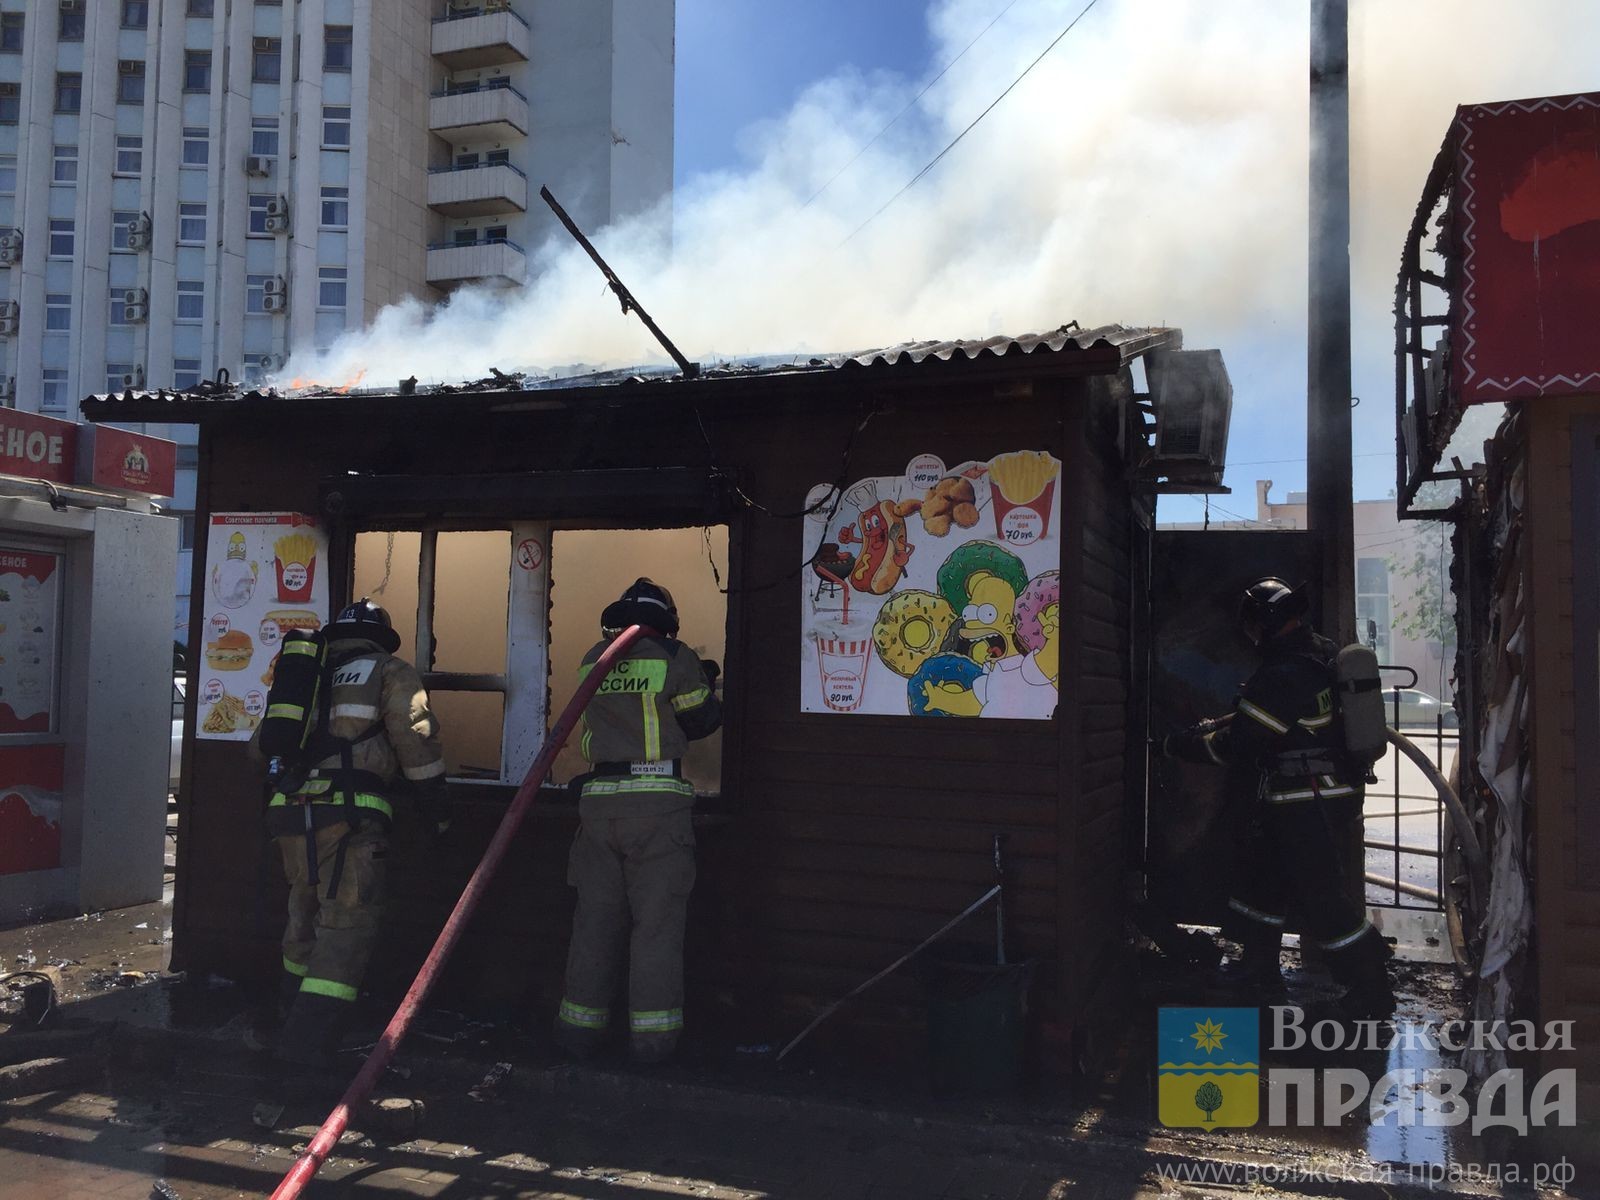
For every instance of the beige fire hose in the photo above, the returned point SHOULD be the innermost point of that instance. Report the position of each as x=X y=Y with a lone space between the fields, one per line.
x=1460 y=820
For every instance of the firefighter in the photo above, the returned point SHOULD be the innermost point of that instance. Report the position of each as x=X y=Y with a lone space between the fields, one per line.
x=1306 y=807
x=331 y=815
x=633 y=859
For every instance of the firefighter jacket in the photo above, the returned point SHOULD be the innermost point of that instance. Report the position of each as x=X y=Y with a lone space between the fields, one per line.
x=377 y=704
x=1285 y=724
x=648 y=709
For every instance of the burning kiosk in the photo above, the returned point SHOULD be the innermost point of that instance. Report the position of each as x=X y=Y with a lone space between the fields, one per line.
x=933 y=555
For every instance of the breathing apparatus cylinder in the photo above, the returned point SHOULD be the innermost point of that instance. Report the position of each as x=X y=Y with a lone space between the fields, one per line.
x=291 y=715
x=1360 y=697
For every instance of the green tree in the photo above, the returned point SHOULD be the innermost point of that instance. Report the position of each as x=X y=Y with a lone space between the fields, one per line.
x=1425 y=605
x=1208 y=1099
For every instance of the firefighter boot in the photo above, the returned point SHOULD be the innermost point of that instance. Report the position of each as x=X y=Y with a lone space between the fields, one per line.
x=1260 y=970
x=311 y=1031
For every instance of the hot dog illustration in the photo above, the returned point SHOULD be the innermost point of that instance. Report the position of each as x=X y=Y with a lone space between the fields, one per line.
x=884 y=549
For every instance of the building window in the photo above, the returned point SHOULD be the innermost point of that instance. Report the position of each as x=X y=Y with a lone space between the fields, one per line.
x=8 y=174
x=130 y=82
x=496 y=233
x=196 y=146
x=10 y=103
x=258 y=215
x=338 y=48
x=57 y=312
x=135 y=14
x=336 y=208
x=255 y=368
x=336 y=127
x=63 y=234
x=119 y=375
x=186 y=374
x=118 y=310
x=465 y=237
x=11 y=32
x=191 y=301
x=130 y=154
x=65 y=165
x=54 y=396
x=121 y=222
x=185 y=519
x=465 y=162
x=197 y=70
x=264 y=136
x=200 y=8
x=191 y=224
x=255 y=293
x=69 y=91
x=267 y=61
x=70 y=23
x=497 y=157
x=1372 y=604
x=331 y=287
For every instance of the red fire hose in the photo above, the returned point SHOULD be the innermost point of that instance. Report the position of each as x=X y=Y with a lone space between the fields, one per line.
x=328 y=1136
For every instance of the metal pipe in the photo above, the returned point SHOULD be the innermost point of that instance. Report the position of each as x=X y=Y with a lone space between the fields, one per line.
x=1328 y=462
x=1410 y=889
x=361 y=1086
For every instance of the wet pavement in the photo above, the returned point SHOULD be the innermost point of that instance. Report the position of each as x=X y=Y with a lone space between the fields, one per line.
x=179 y=1100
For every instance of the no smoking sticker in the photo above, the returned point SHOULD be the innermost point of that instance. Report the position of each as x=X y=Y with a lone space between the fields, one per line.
x=530 y=554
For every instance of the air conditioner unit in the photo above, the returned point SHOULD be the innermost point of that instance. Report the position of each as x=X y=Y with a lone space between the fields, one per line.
x=134 y=380
x=274 y=302
x=129 y=67
x=265 y=43
x=10 y=315
x=8 y=390
x=273 y=362
x=278 y=215
x=139 y=232
x=11 y=248
x=258 y=165
x=275 y=285
x=1194 y=403
x=136 y=305
x=71 y=5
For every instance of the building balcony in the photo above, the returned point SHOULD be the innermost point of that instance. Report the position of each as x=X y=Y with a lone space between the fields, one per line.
x=491 y=260
x=470 y=36
x=492 y=112
x=482 y=191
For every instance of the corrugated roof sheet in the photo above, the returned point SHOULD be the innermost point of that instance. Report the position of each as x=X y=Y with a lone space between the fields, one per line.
x=1117 y=343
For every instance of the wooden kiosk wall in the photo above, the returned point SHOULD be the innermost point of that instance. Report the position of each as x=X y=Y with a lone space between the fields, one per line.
x=845 y=839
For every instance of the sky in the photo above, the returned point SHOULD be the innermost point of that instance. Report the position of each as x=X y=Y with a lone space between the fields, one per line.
x=1150 y=170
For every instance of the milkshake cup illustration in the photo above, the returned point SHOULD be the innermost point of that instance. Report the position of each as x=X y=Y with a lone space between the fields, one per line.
x=1023 y=485
x=844 y=652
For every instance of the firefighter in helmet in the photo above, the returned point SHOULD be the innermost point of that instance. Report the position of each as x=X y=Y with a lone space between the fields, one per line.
x=1306 y=808
x=633 y=859
x=331 y=813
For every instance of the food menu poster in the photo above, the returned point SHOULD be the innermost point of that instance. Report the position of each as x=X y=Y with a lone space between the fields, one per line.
x=30 y=604
x=935 y=592
x=266 y=573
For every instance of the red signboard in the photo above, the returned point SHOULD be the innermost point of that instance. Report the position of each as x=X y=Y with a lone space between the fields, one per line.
x=37 y=447
x=30 y=807
x=1525 y=220
x=126 y=462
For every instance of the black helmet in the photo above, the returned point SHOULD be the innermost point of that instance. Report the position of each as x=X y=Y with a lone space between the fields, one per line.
x=644 y=602
x=1269 y=604
x=364 y=619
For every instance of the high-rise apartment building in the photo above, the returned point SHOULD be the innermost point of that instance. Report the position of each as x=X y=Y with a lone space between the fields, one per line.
x=193 y=185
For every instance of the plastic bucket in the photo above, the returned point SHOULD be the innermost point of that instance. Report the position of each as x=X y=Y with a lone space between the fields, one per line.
x=977 y=1024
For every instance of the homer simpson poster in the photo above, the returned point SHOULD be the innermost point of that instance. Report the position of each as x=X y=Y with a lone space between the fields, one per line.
x=935 y=593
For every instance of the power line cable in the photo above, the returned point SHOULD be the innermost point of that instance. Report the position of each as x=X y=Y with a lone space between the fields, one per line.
x=954 y=142
x=910 y=104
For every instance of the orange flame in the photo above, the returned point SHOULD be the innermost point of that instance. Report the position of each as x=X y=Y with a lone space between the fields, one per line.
x=299 y=382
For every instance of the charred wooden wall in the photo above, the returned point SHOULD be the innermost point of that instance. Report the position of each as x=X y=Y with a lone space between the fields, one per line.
x=846 y=839
x=1563 y=581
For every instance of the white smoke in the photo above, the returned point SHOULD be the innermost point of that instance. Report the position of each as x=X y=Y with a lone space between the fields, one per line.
x=1151 y=170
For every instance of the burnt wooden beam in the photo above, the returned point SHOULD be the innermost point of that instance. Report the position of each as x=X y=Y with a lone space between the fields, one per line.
x=647 y=494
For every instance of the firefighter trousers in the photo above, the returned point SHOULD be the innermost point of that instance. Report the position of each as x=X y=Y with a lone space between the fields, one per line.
x=328 y=942
x=1291 y=860
x=633 y=875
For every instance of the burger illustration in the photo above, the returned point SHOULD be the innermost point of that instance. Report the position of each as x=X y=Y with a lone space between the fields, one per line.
x=230 y=652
